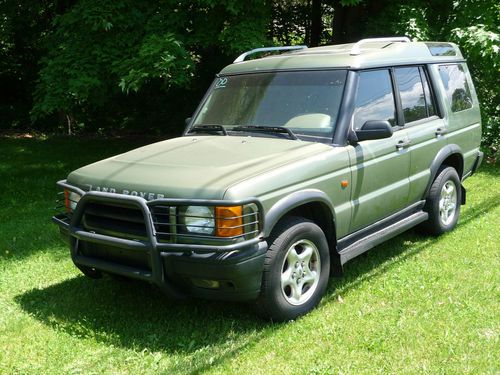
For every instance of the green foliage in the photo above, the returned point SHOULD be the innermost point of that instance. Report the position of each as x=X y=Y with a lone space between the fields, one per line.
x=482 y=50
x=138 y=64
x=159 y=57
x=101 y=51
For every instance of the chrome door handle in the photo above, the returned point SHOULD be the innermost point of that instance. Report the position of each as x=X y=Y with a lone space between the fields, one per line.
x=403 y=144
x=440 y=131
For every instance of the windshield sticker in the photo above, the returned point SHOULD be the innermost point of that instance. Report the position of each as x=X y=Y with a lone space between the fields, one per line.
x=221 y=83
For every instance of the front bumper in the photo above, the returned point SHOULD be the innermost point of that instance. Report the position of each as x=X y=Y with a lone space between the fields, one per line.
x=228 y=271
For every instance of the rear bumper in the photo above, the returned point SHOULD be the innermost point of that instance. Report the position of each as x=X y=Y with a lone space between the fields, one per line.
x=228 y=271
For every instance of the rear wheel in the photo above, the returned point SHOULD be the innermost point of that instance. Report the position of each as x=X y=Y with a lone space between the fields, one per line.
x=296 y=270
x=443 y=202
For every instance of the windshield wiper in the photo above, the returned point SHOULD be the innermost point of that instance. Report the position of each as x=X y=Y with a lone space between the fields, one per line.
x=208 y=129
x=265 y=129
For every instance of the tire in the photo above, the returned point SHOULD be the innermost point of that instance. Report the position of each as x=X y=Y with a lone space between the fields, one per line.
x=443 y=202
x=296 y=270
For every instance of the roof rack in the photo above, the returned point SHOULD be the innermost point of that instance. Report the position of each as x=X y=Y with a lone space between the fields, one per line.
x=242 y=57
x=356 y=48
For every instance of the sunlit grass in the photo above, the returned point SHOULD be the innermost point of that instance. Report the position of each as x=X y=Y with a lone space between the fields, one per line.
x=413 y=305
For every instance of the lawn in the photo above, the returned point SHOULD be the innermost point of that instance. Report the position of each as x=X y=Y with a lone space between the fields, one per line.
x=413 y=305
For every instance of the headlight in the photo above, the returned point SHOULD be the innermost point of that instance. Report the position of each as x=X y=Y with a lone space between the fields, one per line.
x=71 y=199
x=198 y=219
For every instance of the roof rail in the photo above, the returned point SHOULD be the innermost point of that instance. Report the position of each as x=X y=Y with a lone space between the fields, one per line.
x=242 y=57
x=356 y=48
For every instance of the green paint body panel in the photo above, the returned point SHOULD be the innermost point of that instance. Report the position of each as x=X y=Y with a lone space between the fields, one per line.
x=382 y=179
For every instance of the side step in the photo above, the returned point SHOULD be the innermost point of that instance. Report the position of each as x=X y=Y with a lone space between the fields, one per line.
x=374 y=239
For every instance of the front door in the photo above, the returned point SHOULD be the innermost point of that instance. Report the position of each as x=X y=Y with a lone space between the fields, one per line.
x=380 y=168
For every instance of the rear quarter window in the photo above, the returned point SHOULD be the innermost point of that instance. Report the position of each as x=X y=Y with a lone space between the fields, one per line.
x=456 y=87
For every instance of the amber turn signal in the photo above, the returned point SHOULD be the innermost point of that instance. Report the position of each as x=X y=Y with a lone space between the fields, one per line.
x=67 y=204
x=229 y=221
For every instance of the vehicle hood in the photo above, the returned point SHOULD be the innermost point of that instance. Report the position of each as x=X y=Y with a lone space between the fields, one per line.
x=191 y=167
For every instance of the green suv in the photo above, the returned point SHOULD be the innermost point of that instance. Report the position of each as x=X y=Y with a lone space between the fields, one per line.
x=292 y=165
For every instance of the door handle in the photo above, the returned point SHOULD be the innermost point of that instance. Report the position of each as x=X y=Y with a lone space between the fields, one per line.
x=440 y=131
x=403 y=144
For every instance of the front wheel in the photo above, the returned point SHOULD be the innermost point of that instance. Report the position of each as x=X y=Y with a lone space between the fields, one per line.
x=296 y=270
x=443 y=202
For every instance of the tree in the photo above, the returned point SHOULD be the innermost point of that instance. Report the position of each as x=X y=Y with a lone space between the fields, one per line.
x=101 y=51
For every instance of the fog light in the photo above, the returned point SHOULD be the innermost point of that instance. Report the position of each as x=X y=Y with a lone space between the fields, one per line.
x=203 y=283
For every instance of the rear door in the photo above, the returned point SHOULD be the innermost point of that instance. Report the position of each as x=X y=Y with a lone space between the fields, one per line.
x=380 y=168
x=425 y=129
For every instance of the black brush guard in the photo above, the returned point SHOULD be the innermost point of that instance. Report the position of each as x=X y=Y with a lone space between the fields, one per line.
x=150 y=246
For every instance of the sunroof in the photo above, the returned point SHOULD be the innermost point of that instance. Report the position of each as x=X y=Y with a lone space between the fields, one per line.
x=441 y=49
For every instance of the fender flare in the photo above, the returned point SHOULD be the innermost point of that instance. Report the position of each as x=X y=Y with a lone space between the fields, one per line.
x=441 y=156
x=294 y=200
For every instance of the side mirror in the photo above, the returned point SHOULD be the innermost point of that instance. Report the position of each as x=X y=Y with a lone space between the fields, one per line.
x=375 y=129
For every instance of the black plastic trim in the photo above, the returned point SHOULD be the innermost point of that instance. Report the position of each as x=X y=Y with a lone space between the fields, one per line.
x=384 y=234
x=350 y=239
x=288 y=203
x=341 y=134
x=477 y=163
x=445 y=152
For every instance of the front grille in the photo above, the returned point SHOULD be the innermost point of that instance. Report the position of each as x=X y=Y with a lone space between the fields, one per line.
x=114 y=220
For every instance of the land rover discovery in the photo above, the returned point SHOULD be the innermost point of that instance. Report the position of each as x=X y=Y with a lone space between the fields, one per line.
x=292 y=165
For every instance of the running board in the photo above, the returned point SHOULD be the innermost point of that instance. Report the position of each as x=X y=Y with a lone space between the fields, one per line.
x=374 y=239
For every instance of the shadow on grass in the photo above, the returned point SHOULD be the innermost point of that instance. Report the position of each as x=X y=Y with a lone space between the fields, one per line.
x=134 y=315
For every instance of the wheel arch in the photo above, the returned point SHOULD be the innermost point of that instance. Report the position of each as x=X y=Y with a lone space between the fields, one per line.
x=450 y=155
x=311 y=204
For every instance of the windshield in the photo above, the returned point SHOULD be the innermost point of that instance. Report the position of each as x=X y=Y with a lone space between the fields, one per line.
x=307 y=103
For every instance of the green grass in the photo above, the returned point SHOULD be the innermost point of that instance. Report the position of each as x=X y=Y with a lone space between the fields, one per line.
x=413 y=305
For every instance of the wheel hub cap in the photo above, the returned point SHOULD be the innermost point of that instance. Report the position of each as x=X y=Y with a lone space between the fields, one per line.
x=448 y=202
x=300 y=272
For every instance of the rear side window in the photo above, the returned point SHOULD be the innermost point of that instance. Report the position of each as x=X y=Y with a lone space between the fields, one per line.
x=429 y=98
x=456 y=87
x=411 y=92
x=374 y=98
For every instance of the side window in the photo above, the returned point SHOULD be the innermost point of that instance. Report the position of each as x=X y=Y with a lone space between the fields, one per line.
x=374 y=98
x=411 y=92
x=456 y=87
x=429 y=98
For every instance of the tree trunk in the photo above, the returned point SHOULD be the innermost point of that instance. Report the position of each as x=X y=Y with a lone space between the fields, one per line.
x=338 y=23
x=316 y=23
x=68 y=120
